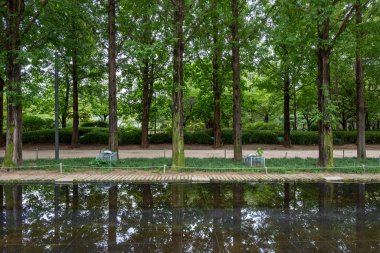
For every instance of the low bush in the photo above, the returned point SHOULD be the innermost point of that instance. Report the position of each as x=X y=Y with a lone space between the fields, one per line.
x=98 y=123
x=160 y=138
x=304 y=138
x=262 y=126
x=198 y=137
x=129 y=137
x=33 y=123
x=372 y=137
x=96 y=135
x=260 y=137
x=227 y=136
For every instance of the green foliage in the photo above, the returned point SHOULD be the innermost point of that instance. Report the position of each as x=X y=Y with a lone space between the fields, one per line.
x=98 y=123
x=32 y=123
x=100 y=163
x=304 y=138
x=94 y=137
x=198 y=137
x=263 y=126
x=127 y=137
x=160 y=138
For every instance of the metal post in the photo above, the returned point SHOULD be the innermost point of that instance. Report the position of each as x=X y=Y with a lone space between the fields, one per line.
x=56 y=108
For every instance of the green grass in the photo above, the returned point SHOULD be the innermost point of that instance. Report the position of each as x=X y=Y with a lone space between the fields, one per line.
x=281 y=165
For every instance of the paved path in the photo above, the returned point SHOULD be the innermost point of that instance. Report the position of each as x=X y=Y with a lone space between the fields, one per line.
x=119 y=176
x=134 y=151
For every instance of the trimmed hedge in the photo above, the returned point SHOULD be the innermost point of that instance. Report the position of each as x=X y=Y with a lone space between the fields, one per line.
x=34 y=123
x=99 y=123
x=96 y=135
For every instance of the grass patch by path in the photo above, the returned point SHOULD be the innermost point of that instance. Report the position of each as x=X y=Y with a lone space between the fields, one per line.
x=279 y=165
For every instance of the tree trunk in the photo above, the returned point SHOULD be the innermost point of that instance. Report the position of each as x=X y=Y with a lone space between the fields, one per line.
x=294 y=107
x=216 y=57
x=75 y=134
x=325 y=158
x=66 y=103
x=2 y=84
x=13 y=150
x=178 y=157
x=360 y=106
x=286 y=108
x=146 y=105
x=238 y=154
x=112 y=89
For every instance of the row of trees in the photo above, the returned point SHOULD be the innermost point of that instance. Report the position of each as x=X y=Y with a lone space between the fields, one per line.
x=221 y=63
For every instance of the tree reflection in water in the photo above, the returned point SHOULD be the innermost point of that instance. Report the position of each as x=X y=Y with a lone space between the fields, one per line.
x=190 y=218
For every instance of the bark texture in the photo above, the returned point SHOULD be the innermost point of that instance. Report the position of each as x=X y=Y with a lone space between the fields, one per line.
x=75 y=79
x=287 y=142
x=238 y=154
x=216 y=57
x=178 y=157
x=13 y=152
x=148 y=82
x=360 y=104
x=2 y=84
x=66 y=103
x=112 y=88
x=325 y=158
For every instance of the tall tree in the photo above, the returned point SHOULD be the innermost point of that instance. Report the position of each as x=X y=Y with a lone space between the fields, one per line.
x=15 y=30
x=75 y=80
x=324 y=47
x=2 y=85
x=178 y=153
x=238 y=154
x=13 y=150
x=360 y=106
x=216 y=58
x=113 y=136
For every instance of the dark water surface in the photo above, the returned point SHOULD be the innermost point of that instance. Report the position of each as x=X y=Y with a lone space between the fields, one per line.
x=190 y=218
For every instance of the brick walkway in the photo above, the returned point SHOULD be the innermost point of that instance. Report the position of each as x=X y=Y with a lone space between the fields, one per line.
x=119 y=176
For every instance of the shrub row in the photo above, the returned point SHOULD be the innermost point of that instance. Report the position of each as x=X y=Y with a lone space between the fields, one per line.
x=96 y=135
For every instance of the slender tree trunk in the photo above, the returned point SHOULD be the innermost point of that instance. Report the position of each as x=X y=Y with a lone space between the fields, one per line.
x=75 y=134
x=216 y=57
x=2 y=84
x=112 y=89
x=238 y=154
x=146 y=105
x=326 y=149
x=13 y=150
x=286 y=108
x=360 y=105
x=66 y=103
x=178 y=157
x=294 y=107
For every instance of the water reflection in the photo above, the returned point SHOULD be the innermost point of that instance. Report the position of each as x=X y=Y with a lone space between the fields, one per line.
x=190 y=218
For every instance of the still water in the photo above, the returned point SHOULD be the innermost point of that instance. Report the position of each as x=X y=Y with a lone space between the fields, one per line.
x=190 y=218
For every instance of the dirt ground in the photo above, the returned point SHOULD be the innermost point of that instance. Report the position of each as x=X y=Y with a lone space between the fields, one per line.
x=200 y=151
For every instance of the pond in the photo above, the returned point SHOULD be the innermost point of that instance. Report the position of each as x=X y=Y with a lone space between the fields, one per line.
x=228 y=217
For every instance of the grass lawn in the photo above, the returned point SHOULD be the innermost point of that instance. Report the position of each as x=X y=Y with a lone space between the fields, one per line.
x=283 y=165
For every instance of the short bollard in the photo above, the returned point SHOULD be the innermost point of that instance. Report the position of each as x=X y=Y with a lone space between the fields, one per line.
x=164 y=168
x=61 y=168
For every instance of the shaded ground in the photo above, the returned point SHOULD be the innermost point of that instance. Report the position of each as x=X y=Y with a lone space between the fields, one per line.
x=200 y=151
